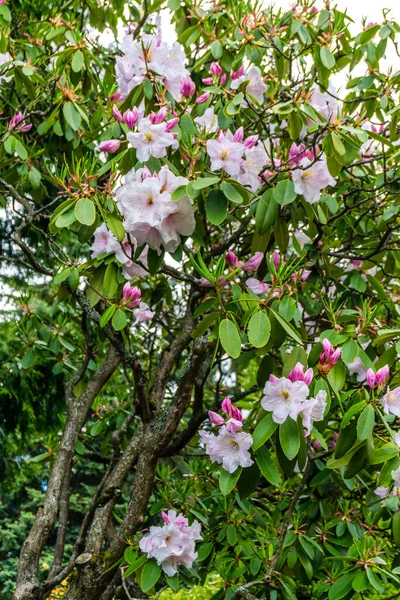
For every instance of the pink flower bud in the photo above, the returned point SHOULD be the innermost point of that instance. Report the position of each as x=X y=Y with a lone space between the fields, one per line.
x=15 y=120
x=335 y=356
x=131 y=117
x=116 y=97
x=305 y=275
x=215 y=69
x=171 y=124
x=328 y=358
x=381 y=375
x=254 y=262
x=109 y=146
x=131 y=295
x=313 y=10
x=371 y=379
x=203 y=98
x=187 y=87
x=165 y=517
x=238 y=135
x=226 y=405
x=273 y=379
x=236 y=413
x=317 y=445
x=327 y=346
x=162 y=113
x=25 y=128
x=296 y=154
x=117 y=114
x=208 y=80
x=298 y=374
x=276 y=259
x=237 y=74
x=223 y=79
x=335 y=436
x=221 y=137
x=215 y=418
x=231 y=259
x=233 y=425
x=203 y=282
x=146 y=173
x=250 y=141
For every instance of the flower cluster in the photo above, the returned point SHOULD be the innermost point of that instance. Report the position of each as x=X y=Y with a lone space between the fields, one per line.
x=309 y=173
x=288 y=397
x=231 y=446
x=150 y=55
x=150 y=214
x=377 y=379
x=254 y=86
x=173 y=544
x=242 y=159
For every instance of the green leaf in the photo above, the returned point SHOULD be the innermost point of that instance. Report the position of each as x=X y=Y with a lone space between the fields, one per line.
x=72 y=116
x=204 y=324
x=119 y=320
x=85 y=211
x=28 y=359
x=230 y=338
x=287 y=327
x=203 y=182
x=263 y=431
x=266 y=212
x=341 y=587
x=110 y=281
x=216 y=50
x=287 y=308
x=77 y=61
x=284 y=192
x=107 y=314
x=227 y=481
x=259 y=329
x=327 y=58
x=268 y=467
x=150 y=575
x=61 y=276
x=365 y=423
x=154 y=260
x=231 y=535
x=216 y=207
x=289 y=438
x=231 y=193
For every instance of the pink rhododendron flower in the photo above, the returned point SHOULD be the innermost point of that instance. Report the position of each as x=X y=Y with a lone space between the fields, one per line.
x=391 y=402
x=208 y=121
x=109 y=146
x=324 y=102
x=227 y=448
x=4 y=59
x=215 y=69
x=150 y=54
x=225 y=154
x=311 y=178
x=233 y=425
x=256 y=286
x=382 y=492
x=252 y=164
x=284 y=398
x=152 y=139
x=357 y=367
x=151 y=216
x=255 y=86
x=143 y=313
x=173 y=544
x=106 y=242
x=298 y=374
x=313 y=410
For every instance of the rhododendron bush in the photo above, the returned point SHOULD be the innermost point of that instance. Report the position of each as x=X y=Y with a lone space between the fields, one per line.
x=201 y=262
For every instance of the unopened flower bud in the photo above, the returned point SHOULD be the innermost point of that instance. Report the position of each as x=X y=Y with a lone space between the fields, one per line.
x=117 y=114
x=238 y=135
x=109 y=146
x=215 y=418
x=254 y=262
x=203 y=98
x=131 y=117
x=215 y=69
x=171 y=124
x=231 y=259
x=187 y=87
